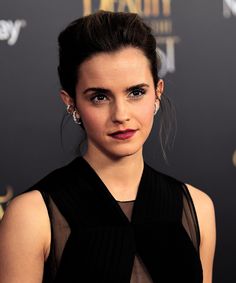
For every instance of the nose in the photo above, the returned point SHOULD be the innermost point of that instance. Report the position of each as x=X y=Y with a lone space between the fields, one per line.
x=120 y=112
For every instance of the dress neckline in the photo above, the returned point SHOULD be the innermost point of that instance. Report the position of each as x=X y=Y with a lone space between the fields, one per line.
x=98 y=185
x=124 y=201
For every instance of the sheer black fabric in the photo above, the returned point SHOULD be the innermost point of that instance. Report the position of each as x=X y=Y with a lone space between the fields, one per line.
x=95 y=238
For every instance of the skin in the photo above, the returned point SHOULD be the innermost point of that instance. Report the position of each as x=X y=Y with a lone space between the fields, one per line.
x=113 y=110
x=118 y=163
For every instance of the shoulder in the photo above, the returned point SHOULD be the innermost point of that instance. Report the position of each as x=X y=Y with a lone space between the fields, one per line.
x=200 y=198
x=26 y=216
x=22 y=239
x=205 y=211
x=206 y=218
x=202 y=201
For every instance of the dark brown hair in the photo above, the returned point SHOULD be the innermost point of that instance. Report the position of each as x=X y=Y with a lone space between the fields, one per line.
x=106 y=31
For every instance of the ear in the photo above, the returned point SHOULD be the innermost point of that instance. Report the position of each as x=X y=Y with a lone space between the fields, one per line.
x=160 y=88
x=66 y=98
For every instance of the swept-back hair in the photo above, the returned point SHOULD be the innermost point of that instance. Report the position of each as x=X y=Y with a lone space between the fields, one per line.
x=108 y=32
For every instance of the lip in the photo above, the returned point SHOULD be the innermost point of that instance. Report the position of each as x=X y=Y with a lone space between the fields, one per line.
x=122 y=131
x=123 y=135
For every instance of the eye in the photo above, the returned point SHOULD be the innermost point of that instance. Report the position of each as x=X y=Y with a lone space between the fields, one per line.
x=98 y=98
x=137 y=93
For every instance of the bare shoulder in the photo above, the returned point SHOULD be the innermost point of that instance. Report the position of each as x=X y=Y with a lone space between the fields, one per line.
x=28 y=211
x=204 y=207
x=24 y=238
x=202 y=200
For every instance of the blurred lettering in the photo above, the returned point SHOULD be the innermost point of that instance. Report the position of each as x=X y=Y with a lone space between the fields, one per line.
x=143 y=7
x=9 y=30
x=167 y=57
x=229 y=8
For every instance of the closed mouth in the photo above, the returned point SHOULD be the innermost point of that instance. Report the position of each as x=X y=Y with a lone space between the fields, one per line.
x=122 y=132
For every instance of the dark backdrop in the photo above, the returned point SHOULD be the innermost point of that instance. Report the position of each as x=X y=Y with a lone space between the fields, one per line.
x=197 y=41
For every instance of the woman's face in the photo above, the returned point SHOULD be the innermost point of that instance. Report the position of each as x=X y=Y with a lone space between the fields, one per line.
x=115 y=91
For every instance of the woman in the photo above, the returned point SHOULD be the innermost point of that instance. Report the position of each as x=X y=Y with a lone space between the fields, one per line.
x=107 y=216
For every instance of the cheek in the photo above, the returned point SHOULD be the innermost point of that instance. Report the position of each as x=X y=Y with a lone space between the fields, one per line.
x=147 y=120
x=92 y=119
x=146 y=113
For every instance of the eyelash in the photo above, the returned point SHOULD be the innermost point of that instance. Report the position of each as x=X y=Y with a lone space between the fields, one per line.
x=141 y=90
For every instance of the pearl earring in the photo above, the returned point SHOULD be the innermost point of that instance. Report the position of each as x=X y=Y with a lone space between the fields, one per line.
x=71 y=110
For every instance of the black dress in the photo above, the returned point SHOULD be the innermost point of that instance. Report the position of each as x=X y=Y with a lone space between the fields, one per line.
x=95 y=238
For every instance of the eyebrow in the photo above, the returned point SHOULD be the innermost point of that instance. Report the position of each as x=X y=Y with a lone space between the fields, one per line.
x=104 y=90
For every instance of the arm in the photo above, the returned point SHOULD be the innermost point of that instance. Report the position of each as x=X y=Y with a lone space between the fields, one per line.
x=206 y=218
x=24 y=239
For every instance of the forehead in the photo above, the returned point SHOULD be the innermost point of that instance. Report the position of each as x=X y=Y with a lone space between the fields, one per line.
x=126 y=66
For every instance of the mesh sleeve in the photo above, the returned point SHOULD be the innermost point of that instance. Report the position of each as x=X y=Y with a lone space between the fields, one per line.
x=189 y=218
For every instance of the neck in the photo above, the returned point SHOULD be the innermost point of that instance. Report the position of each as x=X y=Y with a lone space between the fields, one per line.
x=121 y=176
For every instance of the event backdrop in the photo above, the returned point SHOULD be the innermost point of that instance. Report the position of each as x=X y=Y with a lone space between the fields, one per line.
x=197 y=43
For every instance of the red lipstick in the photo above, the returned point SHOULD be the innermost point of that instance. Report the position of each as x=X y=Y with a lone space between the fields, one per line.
x=123 y=135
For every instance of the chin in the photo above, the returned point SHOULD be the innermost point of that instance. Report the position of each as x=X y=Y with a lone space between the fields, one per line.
x=123 y=152
x=118 y=150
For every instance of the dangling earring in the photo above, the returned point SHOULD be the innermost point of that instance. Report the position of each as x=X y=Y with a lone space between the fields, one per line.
x=75 y=118
x=71 y=110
